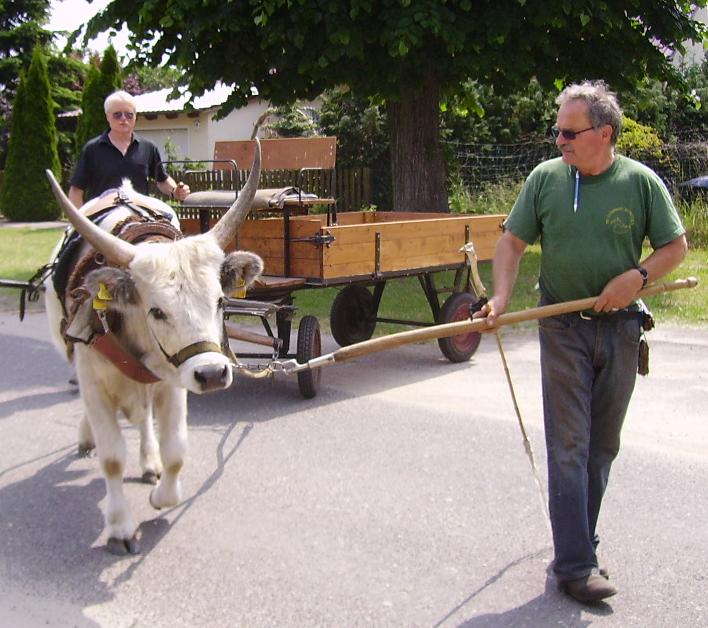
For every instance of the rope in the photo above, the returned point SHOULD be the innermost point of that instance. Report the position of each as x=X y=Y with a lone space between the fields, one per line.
x=527 y=442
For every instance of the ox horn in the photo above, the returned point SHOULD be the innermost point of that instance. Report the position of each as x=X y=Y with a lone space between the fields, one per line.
x=114 y=249
x=225 y=230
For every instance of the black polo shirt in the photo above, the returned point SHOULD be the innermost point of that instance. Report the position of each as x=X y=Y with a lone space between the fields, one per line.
x=102 y=166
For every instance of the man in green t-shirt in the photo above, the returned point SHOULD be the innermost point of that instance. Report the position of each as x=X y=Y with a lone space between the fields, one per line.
x=591 y=210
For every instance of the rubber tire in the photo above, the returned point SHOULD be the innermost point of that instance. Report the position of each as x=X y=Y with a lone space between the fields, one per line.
x=458 y=348
x=352 y=318
x=309 y=345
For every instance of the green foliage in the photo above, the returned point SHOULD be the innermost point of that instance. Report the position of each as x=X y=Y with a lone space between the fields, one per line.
x=694 y=215
x=20 y=31
x=489 y=198
x=21 y=28
x=100 y=82
x=639 y=141
x=143 y=78
x=361 y=128
x=25 y=193
x=292 y=120
x=480 y=113
x=88 y=120
x=669 y=110
x=68 y=75
x=298 y=50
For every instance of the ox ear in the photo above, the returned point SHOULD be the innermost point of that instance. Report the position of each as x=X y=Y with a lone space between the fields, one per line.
x=113 y=286
x=240 y=269
x=118 y=284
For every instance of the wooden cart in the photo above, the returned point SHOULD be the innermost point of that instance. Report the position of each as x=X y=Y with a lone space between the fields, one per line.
x=361 y=253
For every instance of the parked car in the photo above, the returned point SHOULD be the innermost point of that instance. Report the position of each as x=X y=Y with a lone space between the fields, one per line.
x=694 y=188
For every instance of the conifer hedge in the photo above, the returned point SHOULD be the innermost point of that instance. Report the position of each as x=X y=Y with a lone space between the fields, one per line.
x=100 y=82
x=25 y=194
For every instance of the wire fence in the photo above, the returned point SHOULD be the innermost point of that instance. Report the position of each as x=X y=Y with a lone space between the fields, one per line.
x=477 y=165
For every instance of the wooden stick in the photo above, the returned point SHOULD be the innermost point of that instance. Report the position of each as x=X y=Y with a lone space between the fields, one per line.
x=467 y=326
x=248 y=336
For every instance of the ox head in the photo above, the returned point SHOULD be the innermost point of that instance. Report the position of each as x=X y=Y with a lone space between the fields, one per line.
x=170 y=294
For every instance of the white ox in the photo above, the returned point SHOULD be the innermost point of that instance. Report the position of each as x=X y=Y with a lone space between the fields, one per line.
x=169 y=295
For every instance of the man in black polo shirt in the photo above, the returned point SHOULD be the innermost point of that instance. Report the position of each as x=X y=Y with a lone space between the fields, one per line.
x=118 y=154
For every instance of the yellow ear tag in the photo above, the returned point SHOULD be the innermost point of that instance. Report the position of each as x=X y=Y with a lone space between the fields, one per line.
x=101 y=299
x=239 y=292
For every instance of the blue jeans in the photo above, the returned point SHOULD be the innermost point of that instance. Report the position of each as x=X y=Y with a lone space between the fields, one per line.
x=588 y=370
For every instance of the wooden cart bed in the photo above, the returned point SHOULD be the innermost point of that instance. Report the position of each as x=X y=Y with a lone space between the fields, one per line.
x=364 y=244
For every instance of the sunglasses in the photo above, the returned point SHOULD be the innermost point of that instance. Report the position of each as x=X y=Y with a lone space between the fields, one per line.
x=567 y=133
x=128 y=115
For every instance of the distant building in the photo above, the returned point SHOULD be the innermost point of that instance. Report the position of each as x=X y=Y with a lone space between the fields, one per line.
x=695 y=52
x=191 y=133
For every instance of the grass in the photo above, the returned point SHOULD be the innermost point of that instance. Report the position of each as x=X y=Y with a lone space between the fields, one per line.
x=23 y=250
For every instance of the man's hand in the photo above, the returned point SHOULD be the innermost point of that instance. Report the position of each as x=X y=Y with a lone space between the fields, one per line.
x=181 y=191
x=619 y=292
x=490 y=311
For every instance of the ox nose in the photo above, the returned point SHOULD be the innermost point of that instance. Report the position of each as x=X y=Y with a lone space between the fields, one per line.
x=212 y=377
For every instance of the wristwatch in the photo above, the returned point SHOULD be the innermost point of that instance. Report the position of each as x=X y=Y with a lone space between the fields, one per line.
x=645 y=275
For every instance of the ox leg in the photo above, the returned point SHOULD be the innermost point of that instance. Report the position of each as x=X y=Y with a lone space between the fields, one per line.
x=86 y=442
x=110 y=448
x=149 y=451
x=139 y=413
x=171 y=413
x=120 y=526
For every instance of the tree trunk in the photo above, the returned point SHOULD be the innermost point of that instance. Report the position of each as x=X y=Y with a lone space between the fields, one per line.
x=417 y=163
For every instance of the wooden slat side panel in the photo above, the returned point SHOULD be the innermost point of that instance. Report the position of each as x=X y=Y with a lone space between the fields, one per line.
x=281 y=154
x=408 y=245
x=349 y=234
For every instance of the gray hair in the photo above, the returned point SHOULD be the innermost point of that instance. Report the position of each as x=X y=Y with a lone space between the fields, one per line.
x=603 y=107
x=119 y=96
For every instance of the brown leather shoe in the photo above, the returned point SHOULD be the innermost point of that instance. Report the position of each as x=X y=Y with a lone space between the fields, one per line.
x=591 y=588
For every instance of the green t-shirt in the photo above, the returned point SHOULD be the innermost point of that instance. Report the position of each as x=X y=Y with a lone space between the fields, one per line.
x=589 y=240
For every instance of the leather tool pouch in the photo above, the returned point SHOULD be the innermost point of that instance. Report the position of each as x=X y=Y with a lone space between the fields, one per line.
x=643 y=365
x=647 y=323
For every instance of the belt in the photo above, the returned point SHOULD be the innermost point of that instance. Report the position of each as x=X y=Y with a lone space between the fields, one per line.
x=586 y=316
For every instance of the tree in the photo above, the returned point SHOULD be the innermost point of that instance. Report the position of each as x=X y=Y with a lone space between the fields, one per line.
x=20 y=31
x=100 y=82
x=68 y=76
x=143 y=78
x=25 y=194
x=408 y=53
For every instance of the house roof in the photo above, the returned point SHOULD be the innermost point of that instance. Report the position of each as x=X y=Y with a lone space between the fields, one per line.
x=157 y=102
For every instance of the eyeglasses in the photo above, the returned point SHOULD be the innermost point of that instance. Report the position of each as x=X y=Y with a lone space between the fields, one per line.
x=567 y=133
x=128 y=115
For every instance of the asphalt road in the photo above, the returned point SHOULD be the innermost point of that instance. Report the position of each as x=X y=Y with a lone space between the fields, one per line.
x=400 y=496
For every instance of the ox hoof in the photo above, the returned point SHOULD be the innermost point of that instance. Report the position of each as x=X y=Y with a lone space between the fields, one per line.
x=152 y=500
x=122 y=547
x=150 y=477
x=86 y=450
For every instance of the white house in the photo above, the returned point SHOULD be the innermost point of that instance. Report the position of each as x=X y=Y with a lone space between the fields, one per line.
x=695 y=51
x=192 y=133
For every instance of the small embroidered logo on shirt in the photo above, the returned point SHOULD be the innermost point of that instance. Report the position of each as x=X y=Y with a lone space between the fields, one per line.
x=620 y=220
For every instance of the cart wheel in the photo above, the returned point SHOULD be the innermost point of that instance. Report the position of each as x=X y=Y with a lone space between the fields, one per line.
x=309 y=345
x=457 y=308
x=352 y=318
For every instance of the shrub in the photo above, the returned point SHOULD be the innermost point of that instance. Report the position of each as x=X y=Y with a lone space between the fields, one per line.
x=25 y=193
